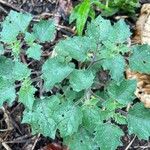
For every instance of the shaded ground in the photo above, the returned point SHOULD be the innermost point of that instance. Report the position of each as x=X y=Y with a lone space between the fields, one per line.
x=18 y=136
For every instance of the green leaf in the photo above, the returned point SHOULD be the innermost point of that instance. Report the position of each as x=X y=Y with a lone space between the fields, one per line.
x=139 y=120
x=81 y=79
x=76 y=47
x=1 y=49
x=120 y=33
x=41 y=116
x=116 y=65
x=26 y=94
x=123 y=93
x=80 y=141
x=34 y=51
x=44 y=30
x=14 y=24
x=20 y=71
x=6 y=68
x=99 y=29
x=80 y=14
x=29 y=38
x=108 y=136
x=120 y=119
x=16 y=48
x=68 y=118
x=7 y=91
x=111 y=104
x=54 y=72
x=140 y=59
x=91 y=117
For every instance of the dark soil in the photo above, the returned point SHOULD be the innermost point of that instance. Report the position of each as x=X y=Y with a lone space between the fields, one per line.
x=19 y=136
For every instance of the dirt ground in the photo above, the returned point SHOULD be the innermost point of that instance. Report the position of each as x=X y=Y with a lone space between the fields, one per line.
x=18 y=136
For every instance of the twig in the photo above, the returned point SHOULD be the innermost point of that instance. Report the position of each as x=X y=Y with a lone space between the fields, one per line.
x=5 y=145
x=130 y=143
x=5 y=130
x=66 y=28
x=36 y=140
x=4 y=10
x=11 y=6
x=7 y=119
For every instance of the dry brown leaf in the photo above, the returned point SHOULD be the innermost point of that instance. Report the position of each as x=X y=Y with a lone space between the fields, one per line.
x=142 y=33
x=142 y=36
x=143 y=86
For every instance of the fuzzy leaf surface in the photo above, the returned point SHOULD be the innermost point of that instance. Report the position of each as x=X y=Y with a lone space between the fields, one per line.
x=20 y=71
x=34 y=51
x=44 y=30
x=123 y=93
x=116 y=65
x=99 y=29
x=80 y=141
x=54 y=72
x=108 y=136
x=81 y=79
x=68 y=118
x=139 y=120
x=26 y=94
x=76 y=47
x=41 y=116
x=142 y=54
x=7 y=91
x=91 y=117
x=14 y=24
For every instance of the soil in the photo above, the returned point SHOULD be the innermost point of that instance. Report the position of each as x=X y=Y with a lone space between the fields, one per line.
x=19 y=136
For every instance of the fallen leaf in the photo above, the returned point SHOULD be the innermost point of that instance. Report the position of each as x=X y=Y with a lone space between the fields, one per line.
x=142 y=36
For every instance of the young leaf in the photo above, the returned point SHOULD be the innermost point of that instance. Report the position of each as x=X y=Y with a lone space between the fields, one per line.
x=68 y=118
x=7 y=91
x=140 y=59
x=80 y=141
x=91 y=117
x=26 y=94
x=14 y=23
x=76 y=47
x=123 y=93
x=29 y=38
x=34 y=51
x=139 y=120
x=116 y=65
x=41 y=116
x=108 y=136
x=16 y=48
x=44 y=30
x=20 y=71
x=6 y=68
x=54 y=72
x=120 y=33
x=120 y=119
x=99 y=29
x=81 y=79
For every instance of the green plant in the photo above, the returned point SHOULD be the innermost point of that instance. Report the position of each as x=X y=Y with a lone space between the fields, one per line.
x=86 y=9
x=86 y=112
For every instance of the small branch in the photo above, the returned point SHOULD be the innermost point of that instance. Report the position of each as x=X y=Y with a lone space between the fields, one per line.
x=35 y=142
x=11 y=6
x=4 y=144
x=130 y=143
x=4 y=10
